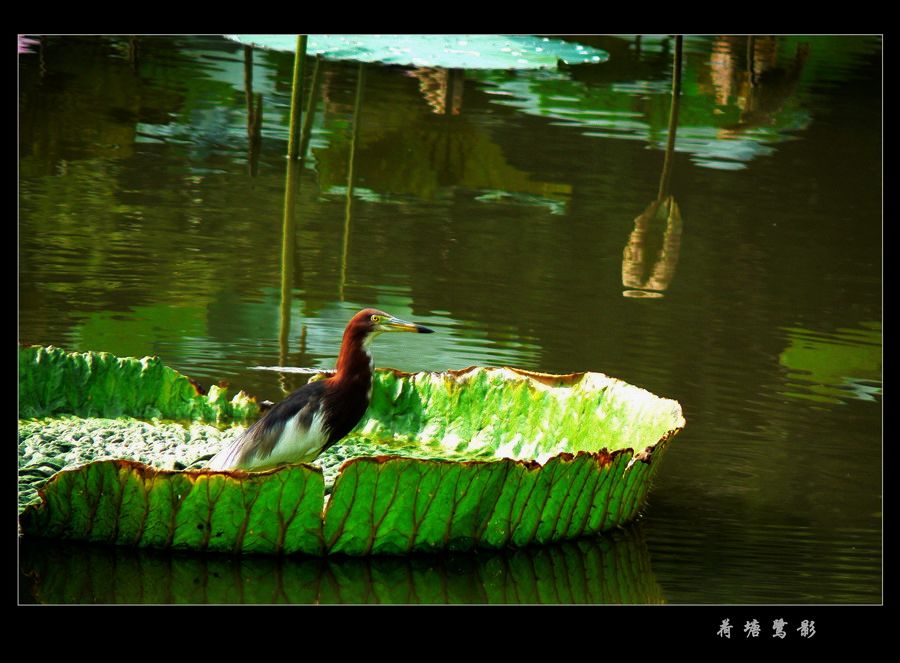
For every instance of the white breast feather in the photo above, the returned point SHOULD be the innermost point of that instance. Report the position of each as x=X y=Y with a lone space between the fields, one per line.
x=225 y=459
x=297 y=445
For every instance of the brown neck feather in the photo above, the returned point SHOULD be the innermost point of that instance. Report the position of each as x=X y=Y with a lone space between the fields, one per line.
x=354 y=363
x=346 y=399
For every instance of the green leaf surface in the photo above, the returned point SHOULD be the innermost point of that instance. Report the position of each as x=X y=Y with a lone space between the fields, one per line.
x=130 y=503
x=53 y=381
x=476 y=458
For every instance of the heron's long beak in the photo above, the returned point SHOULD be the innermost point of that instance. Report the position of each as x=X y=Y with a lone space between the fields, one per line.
x=398 y=325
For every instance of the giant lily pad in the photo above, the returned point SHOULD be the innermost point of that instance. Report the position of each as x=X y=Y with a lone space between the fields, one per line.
x=481 y=457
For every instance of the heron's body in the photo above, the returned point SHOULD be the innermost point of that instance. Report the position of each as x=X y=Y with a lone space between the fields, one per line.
x=320 y=413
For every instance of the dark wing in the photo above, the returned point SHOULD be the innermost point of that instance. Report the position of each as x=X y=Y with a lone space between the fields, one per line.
x=258 y=442
x=345 y=408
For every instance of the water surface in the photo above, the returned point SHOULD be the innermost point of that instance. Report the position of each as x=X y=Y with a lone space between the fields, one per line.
x=517 y=214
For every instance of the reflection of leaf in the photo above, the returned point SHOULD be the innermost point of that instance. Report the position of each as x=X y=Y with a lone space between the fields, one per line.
x=639 y=110
x=835 y=365
x=159 y=323
x=583 y=428
x=651 y=255
x=425 y=154
x=608 y=569
x=452 y=51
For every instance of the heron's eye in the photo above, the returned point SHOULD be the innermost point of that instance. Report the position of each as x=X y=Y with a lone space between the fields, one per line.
x=376 y=319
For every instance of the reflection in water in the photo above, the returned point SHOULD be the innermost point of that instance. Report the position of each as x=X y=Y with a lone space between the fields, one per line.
x=613 y=568
x=752 y=77
x=834 y=367
x=133 y=51
x=401 y=151
x=254 y=115
x=641 y=294
x=441 y=88
x=351 y=160
x=637 y=269
x=638 y=272
x=310 y=112
x=289 y=226
x=605 y=106
x=297 y=98
x=288 y=249
x=764 y=560
x=141 y=233
x=465 y=343
x=477 y=51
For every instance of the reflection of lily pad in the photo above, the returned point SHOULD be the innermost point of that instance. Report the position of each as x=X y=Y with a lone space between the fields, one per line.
x=558 y=457
x=408 y=153
x=608 y=569
x=831 y=367
x=498 y=195
x=450 y=51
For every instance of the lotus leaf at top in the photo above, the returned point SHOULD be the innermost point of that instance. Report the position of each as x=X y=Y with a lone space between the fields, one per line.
x=477 y=51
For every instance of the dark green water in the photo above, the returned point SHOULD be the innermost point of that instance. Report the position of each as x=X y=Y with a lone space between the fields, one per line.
x=500 y=209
